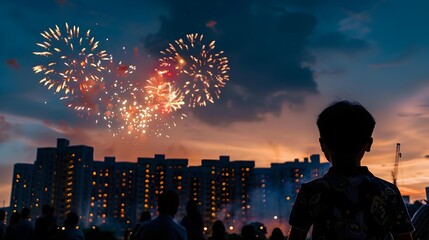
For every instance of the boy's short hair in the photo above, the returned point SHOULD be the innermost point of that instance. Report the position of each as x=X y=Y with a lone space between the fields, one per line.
x=168 y=202
x=345 y=127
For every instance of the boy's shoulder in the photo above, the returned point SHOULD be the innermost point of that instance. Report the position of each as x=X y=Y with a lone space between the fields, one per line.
x=338 y=179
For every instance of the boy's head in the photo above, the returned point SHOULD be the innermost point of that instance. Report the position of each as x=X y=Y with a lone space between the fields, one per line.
x=168 y=202
x=345 y=127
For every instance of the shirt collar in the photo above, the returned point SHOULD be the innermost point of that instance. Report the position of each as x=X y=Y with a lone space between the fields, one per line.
x=350 y=171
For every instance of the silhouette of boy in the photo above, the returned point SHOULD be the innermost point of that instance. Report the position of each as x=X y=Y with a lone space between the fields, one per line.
x=348 y=202
x=163 y=227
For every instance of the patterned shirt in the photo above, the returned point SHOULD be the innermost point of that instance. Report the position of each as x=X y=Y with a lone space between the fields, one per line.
x=350 y=204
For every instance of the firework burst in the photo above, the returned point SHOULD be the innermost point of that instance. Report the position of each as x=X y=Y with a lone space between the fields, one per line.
x=164 y=95
x=196 y=68
x=167 y=102
x=73 y=60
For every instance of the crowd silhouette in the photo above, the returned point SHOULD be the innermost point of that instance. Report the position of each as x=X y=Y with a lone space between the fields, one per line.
x=161 y=227
x=45 y=228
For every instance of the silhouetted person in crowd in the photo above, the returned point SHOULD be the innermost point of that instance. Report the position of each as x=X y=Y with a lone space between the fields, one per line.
x=71 y=230
x=164 y=227
x=248 y=232
x=193 y=221
x=218 y=231
x=420 y=221
x=25 y=229
x=45 y=227
x=277 y=234
x=348 y=202
x=144 y=217
x=11 y=230
x=2 y=224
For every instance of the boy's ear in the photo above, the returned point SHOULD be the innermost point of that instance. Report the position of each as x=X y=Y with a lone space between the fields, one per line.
x=369 y=144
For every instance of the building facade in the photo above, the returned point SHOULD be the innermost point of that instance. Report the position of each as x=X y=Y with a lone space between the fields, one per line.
x=22 y=183
x=112 y=194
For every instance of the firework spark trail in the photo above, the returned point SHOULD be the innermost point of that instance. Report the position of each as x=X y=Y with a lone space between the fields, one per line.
x=122 y=104
x=164 y=95
x=134 y=112
x=161 y=124
x=167 y=102
x=73 y=60
x=195 y=67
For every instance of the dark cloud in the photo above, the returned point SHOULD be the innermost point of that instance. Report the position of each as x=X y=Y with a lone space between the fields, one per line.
x=340 y=42
x=266 y=48
x=330 y=72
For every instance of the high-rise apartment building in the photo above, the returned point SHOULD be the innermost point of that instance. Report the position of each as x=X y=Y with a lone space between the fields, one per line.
x=154 y=175
x=226 y=187
x=113 y=193
x=113 y=196
x=22 y=183
x=62 y=177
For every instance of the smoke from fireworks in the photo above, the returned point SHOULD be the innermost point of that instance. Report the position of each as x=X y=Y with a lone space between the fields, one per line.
x=73 y=60
x=196 y=68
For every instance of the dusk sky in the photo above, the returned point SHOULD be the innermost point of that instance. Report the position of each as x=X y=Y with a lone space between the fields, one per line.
x=288 y=60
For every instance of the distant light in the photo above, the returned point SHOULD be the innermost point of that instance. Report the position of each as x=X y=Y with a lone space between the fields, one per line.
x=275 y=217
x=107 y=39
x=123 y=48
x=231 y=228
x=205 y=228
